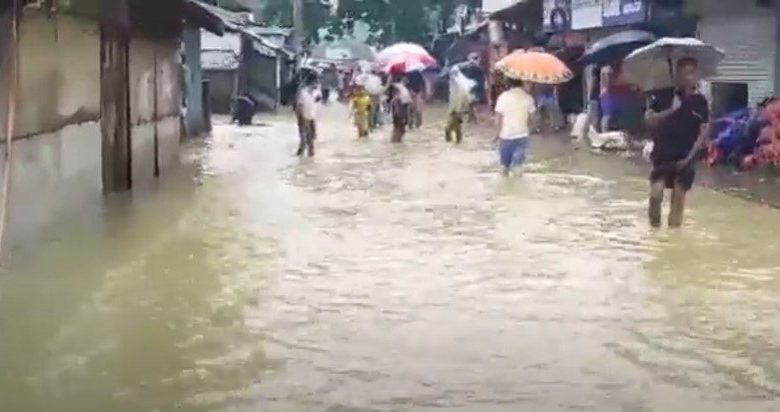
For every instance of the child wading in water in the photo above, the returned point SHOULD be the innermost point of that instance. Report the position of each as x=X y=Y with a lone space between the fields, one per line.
x=361 y=110
x=513 y=110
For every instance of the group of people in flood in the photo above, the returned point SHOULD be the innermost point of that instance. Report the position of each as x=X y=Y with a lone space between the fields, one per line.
x=680 y=130
x=371 y=96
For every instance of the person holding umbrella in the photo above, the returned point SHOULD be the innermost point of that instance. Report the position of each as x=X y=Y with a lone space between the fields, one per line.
x=514 y=107
x=680 y=131
x=608 y=53
x=680 y=135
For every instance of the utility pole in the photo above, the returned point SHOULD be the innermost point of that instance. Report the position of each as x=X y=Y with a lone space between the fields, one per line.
x=298 y=25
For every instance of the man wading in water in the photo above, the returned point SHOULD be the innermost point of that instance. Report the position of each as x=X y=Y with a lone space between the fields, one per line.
x=680 y=135
x=307 y=107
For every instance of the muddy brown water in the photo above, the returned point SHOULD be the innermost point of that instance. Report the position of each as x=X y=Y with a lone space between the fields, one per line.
x=378 y=277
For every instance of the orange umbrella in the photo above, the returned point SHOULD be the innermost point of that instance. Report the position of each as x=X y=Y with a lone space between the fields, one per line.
x=534 y=66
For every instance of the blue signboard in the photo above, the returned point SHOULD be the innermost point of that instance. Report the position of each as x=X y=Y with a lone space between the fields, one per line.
x=621 y=12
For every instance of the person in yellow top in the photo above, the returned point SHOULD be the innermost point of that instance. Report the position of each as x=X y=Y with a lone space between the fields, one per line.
x=361 y=110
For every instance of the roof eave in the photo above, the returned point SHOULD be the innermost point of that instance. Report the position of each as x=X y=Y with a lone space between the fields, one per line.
x=199 y=15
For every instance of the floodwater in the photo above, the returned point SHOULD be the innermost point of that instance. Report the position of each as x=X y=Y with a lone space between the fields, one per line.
x=381 y=277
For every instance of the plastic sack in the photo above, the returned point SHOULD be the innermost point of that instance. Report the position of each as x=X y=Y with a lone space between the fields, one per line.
x=647 y=151
x=580 y=127
x=461 y=91
x=609 y=141
x=372 y=83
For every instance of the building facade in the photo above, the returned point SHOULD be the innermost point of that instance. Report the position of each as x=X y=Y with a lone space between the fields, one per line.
x=747 y=31
x=238 y=64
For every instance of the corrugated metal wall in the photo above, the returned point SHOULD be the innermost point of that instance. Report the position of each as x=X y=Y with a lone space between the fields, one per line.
x=155 y=102
x=60 y=73
x=747 y=33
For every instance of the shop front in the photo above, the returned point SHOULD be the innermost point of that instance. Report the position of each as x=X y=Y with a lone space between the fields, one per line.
x=575 y=24
x=594 y=18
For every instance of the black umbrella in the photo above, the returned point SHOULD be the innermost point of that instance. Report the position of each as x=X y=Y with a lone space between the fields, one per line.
x=570 y=54
x=615 y=47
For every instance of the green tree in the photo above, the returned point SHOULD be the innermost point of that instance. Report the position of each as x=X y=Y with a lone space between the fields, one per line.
x=279 y=13
x=395 y=20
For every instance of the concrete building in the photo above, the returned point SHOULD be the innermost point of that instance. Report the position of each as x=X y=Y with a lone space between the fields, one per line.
x=99 y=98
x=237 y=64
x=220 y=60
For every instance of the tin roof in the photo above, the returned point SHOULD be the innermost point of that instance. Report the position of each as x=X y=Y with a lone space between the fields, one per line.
x=234 y=22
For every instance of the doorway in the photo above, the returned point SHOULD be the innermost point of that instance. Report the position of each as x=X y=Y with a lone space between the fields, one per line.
x=727 y=97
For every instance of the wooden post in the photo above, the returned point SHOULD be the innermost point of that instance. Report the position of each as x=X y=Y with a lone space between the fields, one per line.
x=13 y=84
x=115 y=109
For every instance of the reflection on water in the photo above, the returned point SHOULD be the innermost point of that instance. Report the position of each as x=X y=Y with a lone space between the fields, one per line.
x=379 y=277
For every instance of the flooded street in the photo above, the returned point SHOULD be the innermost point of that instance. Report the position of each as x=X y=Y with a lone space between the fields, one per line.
x=379 y=277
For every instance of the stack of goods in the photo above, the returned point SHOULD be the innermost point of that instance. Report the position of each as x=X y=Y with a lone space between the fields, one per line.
x=730 y=137
x=767 y=148
x=747 y=138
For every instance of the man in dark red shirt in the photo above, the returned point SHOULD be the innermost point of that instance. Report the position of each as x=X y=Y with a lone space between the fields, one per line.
x=680 y=135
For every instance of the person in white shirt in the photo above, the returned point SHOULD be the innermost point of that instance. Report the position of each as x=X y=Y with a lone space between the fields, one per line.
x=307 y=108
x=513 y=110
x=460 y=102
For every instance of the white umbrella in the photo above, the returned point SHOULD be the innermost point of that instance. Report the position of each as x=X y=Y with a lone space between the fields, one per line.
x=344 y=50
x=371 y=82
x=363 y=66
x=652 y=67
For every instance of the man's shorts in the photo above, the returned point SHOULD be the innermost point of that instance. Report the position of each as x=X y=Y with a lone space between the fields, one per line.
x=456 y=118
x=671 y=176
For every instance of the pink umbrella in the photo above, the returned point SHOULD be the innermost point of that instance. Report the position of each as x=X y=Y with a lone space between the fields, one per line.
x=405 y=52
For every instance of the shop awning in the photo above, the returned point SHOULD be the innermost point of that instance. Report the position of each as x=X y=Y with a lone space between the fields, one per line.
x=520 y=12
x=212 y=18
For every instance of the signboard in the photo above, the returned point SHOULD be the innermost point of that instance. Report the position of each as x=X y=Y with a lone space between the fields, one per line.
x=557 y=15
x=562 y=15
x=620 y=12
x=585 y=14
